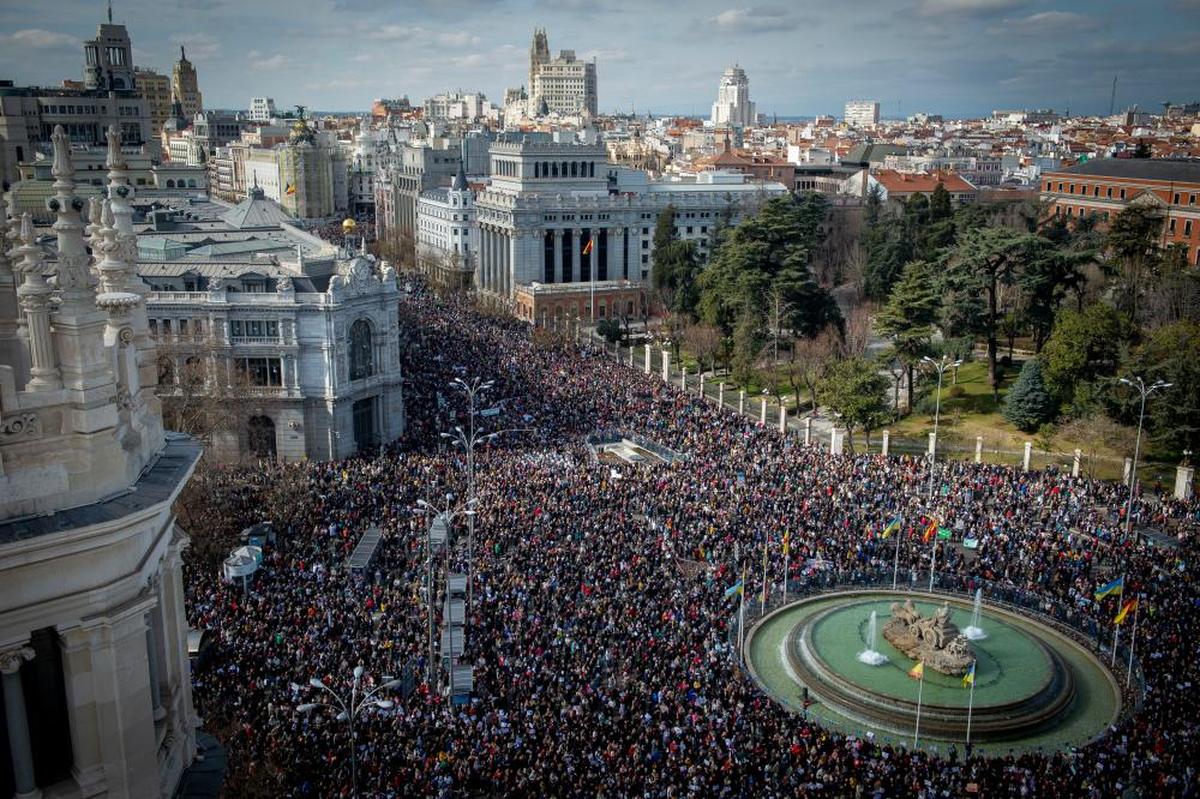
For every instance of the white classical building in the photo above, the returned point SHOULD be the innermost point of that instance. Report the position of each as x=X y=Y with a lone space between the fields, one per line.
x=93 y=660
x=309 y=333
x=262 y=109
x=556 y=219
x=447 y=236
x=733 y=107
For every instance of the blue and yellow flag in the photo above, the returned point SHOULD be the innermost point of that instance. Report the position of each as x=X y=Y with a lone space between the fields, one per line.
x=969 y=677
x=1117 y=586
x=892 y=527
x=734 y=590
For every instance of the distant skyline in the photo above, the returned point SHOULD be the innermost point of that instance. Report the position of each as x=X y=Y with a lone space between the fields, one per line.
x=953 y=57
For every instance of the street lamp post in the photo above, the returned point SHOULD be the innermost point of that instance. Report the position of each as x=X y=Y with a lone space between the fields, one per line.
x=940 y=365
x=449 y=514
x=349 y=708
x=1144 y=391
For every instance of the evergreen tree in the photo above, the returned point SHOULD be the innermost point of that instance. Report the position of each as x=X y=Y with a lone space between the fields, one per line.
x=1171 y=354
x=939 y=204
x=1029 y=405
x=910 y=315
x=1084 y=346
x=855 y=390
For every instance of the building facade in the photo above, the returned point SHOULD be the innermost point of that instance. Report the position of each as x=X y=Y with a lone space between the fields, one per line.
x=458 y=107
x=561 y=85
x=93 y=658
x=861 y=113
x=447 y=236
x=1106 y=186
x=574 y=234
x=262 y=109
x=733 y=107
x=155 y=89
x=185 y=86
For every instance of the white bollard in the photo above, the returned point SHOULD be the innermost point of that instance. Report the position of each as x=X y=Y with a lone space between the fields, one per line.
x=741 y=402
x=836 y=441
x=721 y=394
x=887 y=438
x=683 y=380
x=630 y=356
x=762 y=414
x=701 y=392
x=1128 y=470
x=1185 y=476
x=807 y=430
x=1076 y=462
x=647 y=359
x=666 y=366
x=1028 y=453
x=782 y=419
x=979 y=449
x=932 y=443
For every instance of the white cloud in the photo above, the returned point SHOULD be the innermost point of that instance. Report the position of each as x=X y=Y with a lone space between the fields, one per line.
x=931 y=8
x=1046 y=22
x=606 y=56
x=39 y=39
x=199 y=46
x=759 y=19
x=458 y=39
x=335 y=84
x=393 y=33
x=266 y=63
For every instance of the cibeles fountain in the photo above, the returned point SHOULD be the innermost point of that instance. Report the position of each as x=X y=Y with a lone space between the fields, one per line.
x=849 y=654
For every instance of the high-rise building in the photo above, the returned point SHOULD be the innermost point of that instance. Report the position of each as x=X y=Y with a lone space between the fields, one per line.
x=733 y=106
x=562 y=85
x=262 y=109
x=861 y=113
x=93 y=635
x=185 y=88
x=155 y=89
x=108 y=58
x=313 y=175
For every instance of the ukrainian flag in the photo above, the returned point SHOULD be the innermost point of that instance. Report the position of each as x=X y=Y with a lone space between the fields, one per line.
x=892 y=527
x=1117 y=586
x=969 y=677
x=734 y=589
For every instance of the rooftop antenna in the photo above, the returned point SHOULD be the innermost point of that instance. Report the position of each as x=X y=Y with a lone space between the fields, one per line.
x=109 y=12
x=1112 y=98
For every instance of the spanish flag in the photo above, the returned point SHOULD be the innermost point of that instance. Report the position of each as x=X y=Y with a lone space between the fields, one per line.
x=1128 y=606
x=969 y=677
x=587 y=248
x=927 y=536
x=917 y=672
x=1117 y=586
x=290 y=189
x=786 y=541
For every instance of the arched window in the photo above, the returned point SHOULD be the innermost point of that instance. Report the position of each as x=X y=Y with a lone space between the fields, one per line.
x=565 y=171
x=536 y=167
x=191 y=183
x=574 y=169
x=362 y=356
x=170 y=183
x=260 y=436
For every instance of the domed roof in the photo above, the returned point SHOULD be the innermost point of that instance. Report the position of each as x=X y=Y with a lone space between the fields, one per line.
x=348 y=225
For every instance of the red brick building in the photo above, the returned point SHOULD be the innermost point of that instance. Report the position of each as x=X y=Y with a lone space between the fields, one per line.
x=1106 y=186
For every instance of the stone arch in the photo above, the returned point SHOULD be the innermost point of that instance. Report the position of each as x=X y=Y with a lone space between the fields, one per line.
x=170 y=183
x=260 y=436
x=362 y=350
x=191 y=183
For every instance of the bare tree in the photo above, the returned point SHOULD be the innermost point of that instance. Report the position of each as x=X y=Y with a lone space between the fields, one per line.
x=810 y=359
x=704 y=341
x=858 y=329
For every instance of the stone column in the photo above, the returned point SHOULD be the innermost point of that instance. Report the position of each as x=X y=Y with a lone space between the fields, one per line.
x=807 y=430
x=836 y=441
x=631 y=355
x=932 y=444
x=887 y=440
x=762 y=412
x=1185 y=476
x=979 y=449
x=741 y=402
x=1076 y=461
x=1127 y=471
x=558 y=262
x=782 y=419
x=622 y=235
x=576 y=233
x=594 y=256
x=701 y=392
x=18 y=727
x=34 y=295
x=510 y=266
x=721 y=394
x=683 y=379
x=666 y=370
x=647 y=367
x=1028 y=453
x=80 y=689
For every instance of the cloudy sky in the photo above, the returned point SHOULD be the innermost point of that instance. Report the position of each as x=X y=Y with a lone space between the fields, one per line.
x=956 y=57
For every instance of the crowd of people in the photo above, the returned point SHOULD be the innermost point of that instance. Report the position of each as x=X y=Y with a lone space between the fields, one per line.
x=600 y=626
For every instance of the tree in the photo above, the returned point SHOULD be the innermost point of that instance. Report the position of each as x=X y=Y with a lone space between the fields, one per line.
x=1083 y=347
x=809 y=358
x=909 y=316
x=1028 y=404
x=1171 y=354
x=610 y=330
x=746 y=345
x=939 y=204
x=1132 y=243
x=855 y=391
x=1047 y=275
x=675 y=267
x=704 y=341
x=986 y=259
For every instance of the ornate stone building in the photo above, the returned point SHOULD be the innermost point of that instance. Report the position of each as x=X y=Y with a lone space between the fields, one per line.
x=185 y=87
x=96 y=685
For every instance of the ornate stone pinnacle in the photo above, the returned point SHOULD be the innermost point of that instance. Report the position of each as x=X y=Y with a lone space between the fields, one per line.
x=62 y=166
x=11 y=659
x=116 y=158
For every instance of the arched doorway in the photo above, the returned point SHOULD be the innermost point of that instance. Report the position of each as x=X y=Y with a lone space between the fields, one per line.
x=260 y=436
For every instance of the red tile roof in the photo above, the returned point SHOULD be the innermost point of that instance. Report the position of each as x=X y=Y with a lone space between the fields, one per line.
x=911 y=183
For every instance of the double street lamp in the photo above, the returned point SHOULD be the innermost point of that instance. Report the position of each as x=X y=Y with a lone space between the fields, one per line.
x=349 y=707
x=1144 y=390
x=940 y=366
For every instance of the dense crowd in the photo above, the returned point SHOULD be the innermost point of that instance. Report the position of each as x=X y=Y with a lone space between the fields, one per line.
x=600 y=629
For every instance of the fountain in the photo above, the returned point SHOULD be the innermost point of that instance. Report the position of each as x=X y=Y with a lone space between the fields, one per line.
x=973 y=632
x=869 y=655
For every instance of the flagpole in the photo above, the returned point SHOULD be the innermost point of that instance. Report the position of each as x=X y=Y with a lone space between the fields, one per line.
x=1117 y=627
x=786 y=558
x=896 y=563
x=932 y=560
x=742 y=612
x=1132 y=642
x=971 y=700
x=920 y=690
x=762 y=602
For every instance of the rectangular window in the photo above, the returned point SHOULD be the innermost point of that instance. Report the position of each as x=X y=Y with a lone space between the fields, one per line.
x=1171 y=227
x=1187 y=229
x=1122 y=194
x=261 y=371
x=1176 y=200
